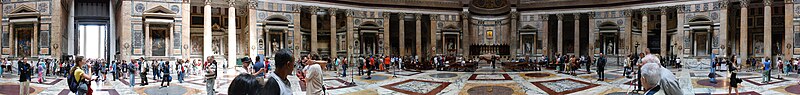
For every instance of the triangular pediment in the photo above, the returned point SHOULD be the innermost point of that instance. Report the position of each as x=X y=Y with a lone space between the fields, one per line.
x=160 y=9
x=23 y=9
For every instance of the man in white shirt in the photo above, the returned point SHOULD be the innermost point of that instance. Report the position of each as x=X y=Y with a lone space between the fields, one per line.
x=278 y=84
x=314 y=76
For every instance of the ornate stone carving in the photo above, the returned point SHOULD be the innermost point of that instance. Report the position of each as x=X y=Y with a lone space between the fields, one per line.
x=489 y=4
x=724 y=4
x=252 y=4
x=514 y=15
x=332 y=11
x=644 y=11
x=544 y=17
x=386 y=14
x=577 y=16
x=348 y=12
x=680 y=8
x=402 y=16
x=313 y=9
x=231 y=3
x=297 y=8
x=767 y=2
x=788 y=1
x=744 y=3
x=560 y=16
x=208 y=2
x=434 y=17
x=663 y=10
x=628 y=13
x=464 y=15
x=417 y=16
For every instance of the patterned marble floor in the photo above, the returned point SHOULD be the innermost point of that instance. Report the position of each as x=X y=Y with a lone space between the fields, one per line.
x=431 y=82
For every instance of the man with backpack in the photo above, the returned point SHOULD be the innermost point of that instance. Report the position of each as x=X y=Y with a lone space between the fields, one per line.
x=166 y=77
x=78 y=80
x=143 y=73
x=131 y=67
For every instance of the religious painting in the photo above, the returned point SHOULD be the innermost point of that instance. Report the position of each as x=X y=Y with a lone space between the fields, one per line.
x=197 y=44
x=24 y=35
x=701 y=43
x=758 y=45
x=158 y=44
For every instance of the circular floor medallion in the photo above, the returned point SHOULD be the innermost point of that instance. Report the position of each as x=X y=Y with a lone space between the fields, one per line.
x=707 y=82
x=443 y=75
x=795 y=89
x=490 y=90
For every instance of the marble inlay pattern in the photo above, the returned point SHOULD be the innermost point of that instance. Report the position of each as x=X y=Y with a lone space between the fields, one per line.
x=515 y=87
x=537 y=75
x=489 y=77
x=702 y=74
x=757 y=80
x=563 y=86
x=405 y=73
x=375 y=78
x=415 y=87
x=608 y=77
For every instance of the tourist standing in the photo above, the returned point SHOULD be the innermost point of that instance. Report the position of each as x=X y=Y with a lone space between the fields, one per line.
x=733 y=81
x=211 y=75
x=165 y=76
x=80 y=76
x=143 y=73
x=278 y=84
x=40 y=70
x=24 y=76
x=131 y=67
x=258 y=66
x=601 y=65
x=313 y=73
x=766 y=76
x=344 y=66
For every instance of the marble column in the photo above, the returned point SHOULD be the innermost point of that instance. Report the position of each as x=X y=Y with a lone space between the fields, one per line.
x=251 y=25
x=629 y=32
x=681 y=33
x=207 y=30
x=148 y=45
x=645 y=30
x=543 y=35
x=515 y=34
x=349 y=37
x=560 y=37
x=789 y=30
x=386 y=34
x=743 y=30
x=298 y=37
x=577 y=35
x=418 y=35
x=593 y=35
x=768 y=28
x=334 y=39
x=432 y=33
x=185 y=31
x=402 y=39
x=664 y=36
x=466 y=39
x=723 y=39
x=231 y=34
x=313 y=10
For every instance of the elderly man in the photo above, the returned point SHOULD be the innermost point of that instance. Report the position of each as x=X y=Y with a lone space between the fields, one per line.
x=666 y=82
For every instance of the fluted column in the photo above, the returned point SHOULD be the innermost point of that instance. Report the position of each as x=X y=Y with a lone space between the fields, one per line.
x=433 y=37
x=723 y=18
x=207 y=30
x=251 y=25
x=313 y=10
x=560 y=43
x=514 y=34
x=664 y=36
x=387 y=49
x=349 y=37
x=629 y=32
x=643 y=45
x=231 y=34
x=334 y=39
x=743 y=30
x=543 y=35
x=681 y=33
x=418 y=35
x=577 y=35
x=789 y=32
x=402 y=29
x=768 y=28
x=298 y=37
x=466 y=39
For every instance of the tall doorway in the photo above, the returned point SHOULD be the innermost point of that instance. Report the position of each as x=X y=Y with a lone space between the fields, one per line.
x=92 y=40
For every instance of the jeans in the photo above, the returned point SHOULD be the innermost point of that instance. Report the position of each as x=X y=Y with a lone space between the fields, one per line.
x=344 y=70
x=180 y=77
x=133 y=79
x=210 y=87
x=766 y=76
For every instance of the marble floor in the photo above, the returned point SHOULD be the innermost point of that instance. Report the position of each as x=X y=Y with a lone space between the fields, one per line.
x=430 y=82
